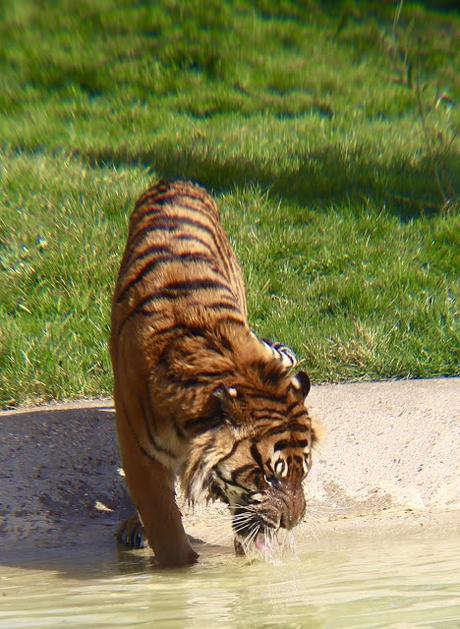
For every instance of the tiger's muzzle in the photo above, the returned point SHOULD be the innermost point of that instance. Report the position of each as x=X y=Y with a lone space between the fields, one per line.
x=290 y=504
x=280 y=508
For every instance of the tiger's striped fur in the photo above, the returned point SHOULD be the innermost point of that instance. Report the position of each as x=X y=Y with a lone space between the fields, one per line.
x=197 y=394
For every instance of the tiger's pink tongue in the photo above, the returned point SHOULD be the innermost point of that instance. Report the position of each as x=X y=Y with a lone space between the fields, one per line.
x=260 y=542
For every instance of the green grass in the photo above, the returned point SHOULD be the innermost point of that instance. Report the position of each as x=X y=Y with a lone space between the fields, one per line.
x=300 y=119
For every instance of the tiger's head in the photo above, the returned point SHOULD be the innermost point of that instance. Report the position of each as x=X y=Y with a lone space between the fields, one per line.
x=257 y=454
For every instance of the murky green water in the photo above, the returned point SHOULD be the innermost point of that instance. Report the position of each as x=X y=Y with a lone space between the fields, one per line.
x=382 y=583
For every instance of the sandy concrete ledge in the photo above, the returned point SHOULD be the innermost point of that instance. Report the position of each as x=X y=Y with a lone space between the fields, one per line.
x=390 y=457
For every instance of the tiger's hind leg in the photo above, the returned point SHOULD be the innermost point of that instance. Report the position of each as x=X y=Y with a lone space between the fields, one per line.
x=131 y=533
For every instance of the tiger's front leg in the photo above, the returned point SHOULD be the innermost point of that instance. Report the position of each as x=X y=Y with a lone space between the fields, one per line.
x=151 y=486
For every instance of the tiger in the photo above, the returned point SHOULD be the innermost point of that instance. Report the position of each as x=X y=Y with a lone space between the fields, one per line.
x=199 y=398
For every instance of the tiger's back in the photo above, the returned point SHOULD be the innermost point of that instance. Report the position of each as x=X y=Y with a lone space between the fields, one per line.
x=177 y=262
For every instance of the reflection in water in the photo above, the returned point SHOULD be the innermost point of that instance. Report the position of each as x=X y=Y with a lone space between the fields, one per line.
x=404 y=583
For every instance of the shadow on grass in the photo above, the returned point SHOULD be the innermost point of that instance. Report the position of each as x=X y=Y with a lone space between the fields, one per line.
x=317 y=179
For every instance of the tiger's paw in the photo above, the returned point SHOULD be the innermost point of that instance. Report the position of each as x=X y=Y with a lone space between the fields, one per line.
x=130 y=533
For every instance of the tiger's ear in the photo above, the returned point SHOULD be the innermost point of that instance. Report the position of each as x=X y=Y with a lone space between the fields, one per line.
x=301 y=384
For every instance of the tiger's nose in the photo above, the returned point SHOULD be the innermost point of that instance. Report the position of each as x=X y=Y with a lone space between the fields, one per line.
x=292 y=515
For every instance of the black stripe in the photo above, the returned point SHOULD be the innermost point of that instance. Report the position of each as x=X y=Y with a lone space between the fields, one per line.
x=150 y=251
x=133 y=258
x=221 y=249
x=196 y=284
x=224 y=305
x=285 y=443
x=270 y=410
x=173 y=223
x=187 y=238
x=195 y=332
x=190 y=222
x=186 y=384
x=269 y=417
x=301 y=413
x=199 y=379
x=157 y=223
x=180 y=206
x=239 y=470
x=176 y=198
x=179 y=432
x=290 y=427
x=159 y=316
x=184 y=330
x=167 y=259
x=277 y=430
x=229 y=319
x=264 y=425
x=292 y=406
x=167 y=292
x=256 y=455
x=138 y=443
x=227 y=456
x=204 y=334
x=205 y=200
x=156 y=196
x=226 y=343
x=213 y=374
x=140 y=276
x=228 y=481
x=147 y=414
x=200 y=425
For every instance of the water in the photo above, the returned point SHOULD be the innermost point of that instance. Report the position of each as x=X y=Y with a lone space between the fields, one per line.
x=342 y=583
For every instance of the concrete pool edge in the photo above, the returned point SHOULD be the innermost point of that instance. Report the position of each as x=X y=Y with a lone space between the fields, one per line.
x=389 y=462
